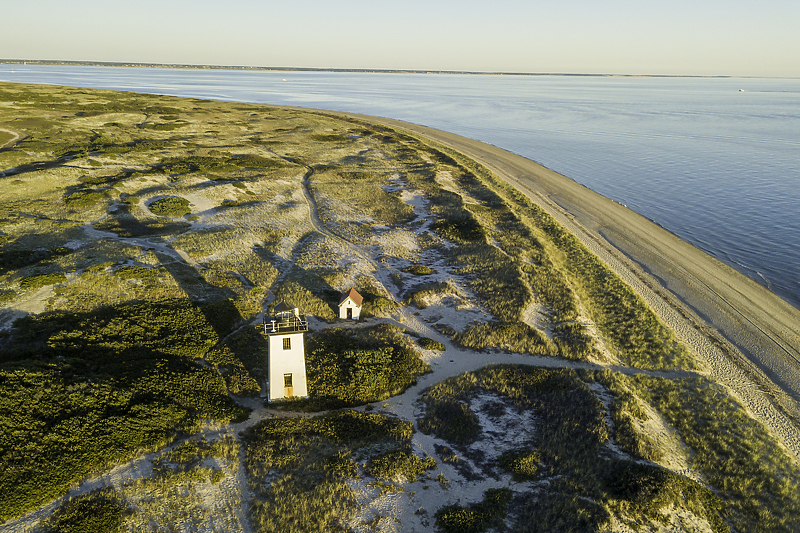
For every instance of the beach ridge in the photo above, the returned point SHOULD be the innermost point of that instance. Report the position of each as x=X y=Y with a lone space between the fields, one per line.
x=746 y=336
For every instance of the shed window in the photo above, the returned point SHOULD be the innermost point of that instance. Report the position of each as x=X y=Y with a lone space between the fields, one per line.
x=287 y=343
x=287 y=380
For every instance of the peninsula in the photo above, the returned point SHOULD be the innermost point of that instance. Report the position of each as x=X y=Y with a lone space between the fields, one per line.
x=529 y=355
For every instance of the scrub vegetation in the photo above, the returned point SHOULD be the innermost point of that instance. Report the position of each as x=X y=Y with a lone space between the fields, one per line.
x=141 y=239
x=348 y=367
x=579 y=484
x=310 y=461
x=170 y=207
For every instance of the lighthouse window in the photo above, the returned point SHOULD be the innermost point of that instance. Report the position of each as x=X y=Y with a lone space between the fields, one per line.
x=287 y=380
x=287 y=344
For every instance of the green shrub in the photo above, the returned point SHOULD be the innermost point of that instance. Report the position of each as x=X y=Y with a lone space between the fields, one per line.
x=241 y=360
x=418 y=295
x=431 y=344
x=419 y=270
x=308 y=461
x=99 y=267
x=562 y=513
x=309 y=303
x=360 y=365
x=341 y=464
x=186 y=165
x=478 y=517
x=399 y=462
x=463 y=230
x=553 y=263
x=100 y=511
x=84 y=198
x=625 y=408
x=523 y=465
x=7 y=296
x=41 y=280
x=257 y=161
x=136 y=272
x=84 y=391
x=171 y=206
x=512 y=336
x=17 y=259
x=377 y=306
x=568 y=448
x=165 y=126
x=161 y=110
x=227 y=204
x=450 y=420
x=205 y=164
x=124 y=224
x=735 y=453
x=328 y=137
x=190 y=453
x=175 y=327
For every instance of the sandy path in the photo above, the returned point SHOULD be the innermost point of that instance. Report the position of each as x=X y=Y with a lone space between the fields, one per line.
x=17 y=137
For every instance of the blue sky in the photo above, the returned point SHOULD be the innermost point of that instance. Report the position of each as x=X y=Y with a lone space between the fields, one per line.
x=734 y=37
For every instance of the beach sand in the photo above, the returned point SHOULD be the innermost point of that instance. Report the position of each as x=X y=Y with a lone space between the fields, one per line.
x=746 y=337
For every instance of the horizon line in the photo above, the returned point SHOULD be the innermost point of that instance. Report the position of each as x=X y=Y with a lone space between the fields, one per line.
x=135 y=64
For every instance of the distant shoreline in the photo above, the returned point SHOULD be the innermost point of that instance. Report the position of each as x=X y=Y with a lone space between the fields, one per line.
x=345 y=70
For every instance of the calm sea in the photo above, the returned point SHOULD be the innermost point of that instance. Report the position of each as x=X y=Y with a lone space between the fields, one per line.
x=715 y=161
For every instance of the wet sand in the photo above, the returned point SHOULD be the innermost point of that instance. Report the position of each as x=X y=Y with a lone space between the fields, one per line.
x=747 y=337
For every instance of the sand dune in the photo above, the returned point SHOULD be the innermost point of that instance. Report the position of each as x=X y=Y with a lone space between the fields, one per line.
x=747 y=337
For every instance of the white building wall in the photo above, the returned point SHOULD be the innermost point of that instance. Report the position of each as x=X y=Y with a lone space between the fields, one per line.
x=290 y=361
x=352 y=305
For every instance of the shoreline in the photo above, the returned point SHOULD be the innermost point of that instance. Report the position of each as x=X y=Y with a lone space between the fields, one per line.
x=746 y=337
x=136 y=64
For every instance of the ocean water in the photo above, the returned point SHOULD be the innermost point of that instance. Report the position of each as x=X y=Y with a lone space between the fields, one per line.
x=715 y=161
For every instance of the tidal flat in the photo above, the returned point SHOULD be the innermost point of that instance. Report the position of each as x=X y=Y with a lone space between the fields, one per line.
x=504 y=378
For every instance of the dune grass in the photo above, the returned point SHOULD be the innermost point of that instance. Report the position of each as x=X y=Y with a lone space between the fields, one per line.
x=355 y=366
x=586 y=485
x=118 y=381
x=476 y=518
x=171 y=206
x=309 y=460
x=532 y=256
x=41 y=280
x=5 y=137
x=359 y=192
x=100 y=511
x=744 y=464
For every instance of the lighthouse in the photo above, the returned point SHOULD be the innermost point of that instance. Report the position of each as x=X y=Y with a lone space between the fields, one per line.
x=286 y=365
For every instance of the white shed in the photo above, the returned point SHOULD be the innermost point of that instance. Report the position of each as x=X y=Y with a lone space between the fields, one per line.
x=350 y=305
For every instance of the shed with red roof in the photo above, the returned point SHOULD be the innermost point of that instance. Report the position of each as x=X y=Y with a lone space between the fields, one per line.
x=350 y=305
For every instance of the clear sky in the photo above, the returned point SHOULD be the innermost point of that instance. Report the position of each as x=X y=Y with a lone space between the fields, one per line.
x=700 y=37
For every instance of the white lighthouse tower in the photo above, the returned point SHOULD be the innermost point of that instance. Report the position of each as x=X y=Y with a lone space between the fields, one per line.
x=286 y=367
